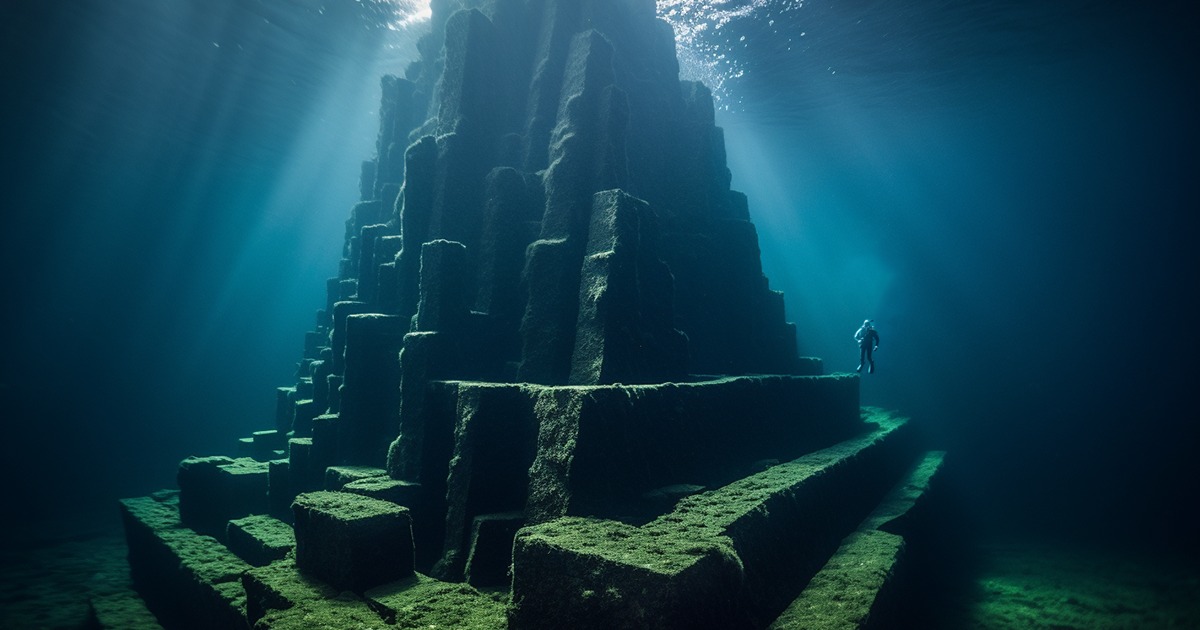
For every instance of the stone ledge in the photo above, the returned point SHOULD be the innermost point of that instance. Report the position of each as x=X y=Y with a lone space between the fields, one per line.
x=715 y=560
x=853 y=591
x=188 y=580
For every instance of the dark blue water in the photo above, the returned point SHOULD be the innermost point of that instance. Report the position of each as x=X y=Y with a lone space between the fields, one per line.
x=1007 y=188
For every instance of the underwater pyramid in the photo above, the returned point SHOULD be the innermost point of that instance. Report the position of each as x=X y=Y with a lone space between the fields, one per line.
x=551 y=387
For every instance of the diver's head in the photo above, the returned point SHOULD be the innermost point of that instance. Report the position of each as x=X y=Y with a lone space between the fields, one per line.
x=868 y=323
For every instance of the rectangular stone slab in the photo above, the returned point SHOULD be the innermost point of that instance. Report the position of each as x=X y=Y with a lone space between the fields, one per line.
x=718 y=560
x=351 y=541
x=188 y=580
x=855 y=589
x=260 y=539
x=215 y=490
x=420 y=601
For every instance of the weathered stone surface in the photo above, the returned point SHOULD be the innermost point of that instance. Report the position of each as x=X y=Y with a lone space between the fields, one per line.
x=601 y=448
x=280 y=597
x=215 y=490
x=284 y=408
x=395 y=491
x=444 y=301
x=260 y=540
x=280 y=492
x=351 y=541
x=854 y=590
x=714 y=561
x=494 y=445
x=188 y=580
x=341 y=311
x=625 y=331
x=338 y=476
x=423 y=602
x=370 y=396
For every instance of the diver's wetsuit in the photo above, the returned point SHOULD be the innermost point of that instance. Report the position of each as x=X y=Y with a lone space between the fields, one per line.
x=867 y=342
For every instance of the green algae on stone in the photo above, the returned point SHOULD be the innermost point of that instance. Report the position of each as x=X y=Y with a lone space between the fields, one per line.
x=260 y=539
x=420 y=601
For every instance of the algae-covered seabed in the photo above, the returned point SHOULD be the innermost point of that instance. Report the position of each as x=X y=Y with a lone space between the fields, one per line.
x=1031 y=585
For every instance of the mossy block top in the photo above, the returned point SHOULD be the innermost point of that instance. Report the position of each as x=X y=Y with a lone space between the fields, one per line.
x=268 y=530
x=841 y=595
x=342 y=475
x=281 y=585
x=156 y=512
x=420 y=601
x=891 y=512
x=375 y=484
x=338 y=613
x=701 y=524
x=245 y=466
x=345 y=506
x=211 y=461
x=658 y=549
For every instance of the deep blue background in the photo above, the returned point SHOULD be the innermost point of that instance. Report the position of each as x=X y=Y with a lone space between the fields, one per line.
x=1007 y=188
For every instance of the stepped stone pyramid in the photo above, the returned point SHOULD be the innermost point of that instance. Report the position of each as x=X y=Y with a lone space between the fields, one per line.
x=551 y=387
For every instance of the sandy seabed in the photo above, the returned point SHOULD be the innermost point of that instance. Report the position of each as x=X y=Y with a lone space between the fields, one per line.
x=58 y=578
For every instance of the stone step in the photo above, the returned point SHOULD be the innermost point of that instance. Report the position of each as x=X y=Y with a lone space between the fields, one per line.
x=855 y=589
x=188 y=580
x=734 y=557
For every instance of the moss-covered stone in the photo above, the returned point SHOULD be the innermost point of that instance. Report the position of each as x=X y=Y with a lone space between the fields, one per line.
x=352 y=541
x=855 y=590
x=718 y=557
x=423 y=602
x=215 y=490
x=188 y=580
x=260 y=539
x=386 y=489
x=338 y=476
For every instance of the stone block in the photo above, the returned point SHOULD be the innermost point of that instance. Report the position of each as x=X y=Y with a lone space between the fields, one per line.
x=490 y=560
x=445 y=303
x=856 y=589
x=338 y=476
x=190 y=581
x=301 y=474
x=368 y=418
x=215 y=490
x=715 y=561
x=280 y=492
x=341 y=311
x=351 y=541
x=423 y=602
x=625 y=331
x=284 y=408
x=260 y=540
x=494 y=444
x=601 y=448
x=324 y=451
x=305 y=410
x=404 y=493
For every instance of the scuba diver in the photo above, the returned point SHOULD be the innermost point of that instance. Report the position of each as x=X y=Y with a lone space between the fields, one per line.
x=868 y=342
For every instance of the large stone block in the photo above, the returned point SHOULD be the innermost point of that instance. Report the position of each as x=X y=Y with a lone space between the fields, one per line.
x=368 y=419
x=856 y=589
x=716 y=560
x=188 y=580
x=351 y=541
x=280 y=597
x=215 y=490
x=423 y=602
x=625 y=331
x=260 y=540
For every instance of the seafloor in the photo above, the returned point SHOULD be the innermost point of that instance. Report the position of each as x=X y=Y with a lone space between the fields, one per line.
x=63 y=572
